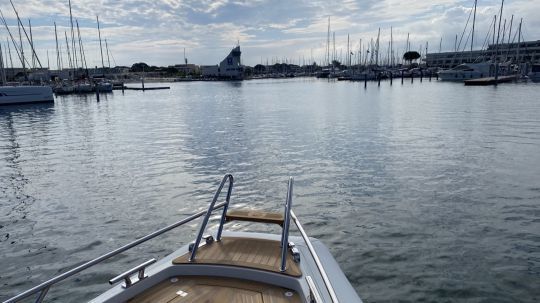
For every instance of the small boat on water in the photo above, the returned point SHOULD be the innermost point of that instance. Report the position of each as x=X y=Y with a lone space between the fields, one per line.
x=229 y=266
x=468 y=71
x=25 y=94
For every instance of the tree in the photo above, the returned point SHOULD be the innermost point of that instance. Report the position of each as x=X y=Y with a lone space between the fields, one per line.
x=410 y=56
x=336 y=63
x=139 y=67
x=259 y=68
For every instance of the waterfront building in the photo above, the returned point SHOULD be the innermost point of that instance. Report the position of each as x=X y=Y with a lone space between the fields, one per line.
x=230 y=68
x=524 y=52
x=187 y=68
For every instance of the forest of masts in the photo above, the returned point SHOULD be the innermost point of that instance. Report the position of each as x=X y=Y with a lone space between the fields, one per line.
x=375 y=52
x=71 y=55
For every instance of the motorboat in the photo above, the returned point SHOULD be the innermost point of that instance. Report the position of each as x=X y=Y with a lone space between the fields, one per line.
x=468 y=71
x=229 y=266
x=25 y=94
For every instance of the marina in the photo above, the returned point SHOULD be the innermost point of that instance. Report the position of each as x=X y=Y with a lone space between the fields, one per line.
x=303 y=153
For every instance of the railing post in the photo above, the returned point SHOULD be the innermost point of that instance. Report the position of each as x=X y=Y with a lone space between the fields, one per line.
x=42 y=295
x=286 y=223
x=208 y=214
x=225 y=208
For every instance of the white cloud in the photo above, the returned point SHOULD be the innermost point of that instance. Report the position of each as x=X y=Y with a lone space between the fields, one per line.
x=157 y=31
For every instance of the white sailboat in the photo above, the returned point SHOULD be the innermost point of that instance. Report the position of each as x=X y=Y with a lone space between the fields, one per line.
x=25 y=94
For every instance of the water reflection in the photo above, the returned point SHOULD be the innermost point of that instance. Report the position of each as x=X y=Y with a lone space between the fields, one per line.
x=420 y=191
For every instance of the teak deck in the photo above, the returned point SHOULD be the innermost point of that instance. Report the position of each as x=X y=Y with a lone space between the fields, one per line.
x=215 y=290
x=244 y=252
x=255 y=216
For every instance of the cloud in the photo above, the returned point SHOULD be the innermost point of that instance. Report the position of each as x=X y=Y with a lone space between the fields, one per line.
x=157 y=31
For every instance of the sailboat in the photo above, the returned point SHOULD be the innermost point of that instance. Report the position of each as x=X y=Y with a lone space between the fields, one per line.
x=21 y=94
x=10 y=95
x=467 y=71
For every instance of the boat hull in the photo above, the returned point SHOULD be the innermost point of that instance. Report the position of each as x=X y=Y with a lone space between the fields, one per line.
x=165 y=269
x=10 y=95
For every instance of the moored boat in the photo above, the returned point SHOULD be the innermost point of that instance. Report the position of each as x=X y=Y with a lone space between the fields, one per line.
x=228 y=267
x=104 y=87
x=25 y=94
x=468 y=71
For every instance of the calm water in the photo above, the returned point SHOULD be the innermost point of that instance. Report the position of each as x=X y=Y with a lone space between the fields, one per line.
x=423 y=192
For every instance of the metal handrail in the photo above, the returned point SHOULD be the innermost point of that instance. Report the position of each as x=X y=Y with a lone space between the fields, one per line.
x=43 y=288
x=227 y=177
x=286 y=224
x=313 y=253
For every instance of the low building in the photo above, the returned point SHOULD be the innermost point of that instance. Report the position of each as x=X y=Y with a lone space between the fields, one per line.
x=523 y=52
x=187 y=68
x=230 y=68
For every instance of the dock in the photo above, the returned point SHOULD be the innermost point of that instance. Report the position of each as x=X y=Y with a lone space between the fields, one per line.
x=147 y=88
x=490 y=80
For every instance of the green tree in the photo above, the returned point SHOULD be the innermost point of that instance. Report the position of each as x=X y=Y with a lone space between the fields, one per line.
x=410 y=56
x=139 y=67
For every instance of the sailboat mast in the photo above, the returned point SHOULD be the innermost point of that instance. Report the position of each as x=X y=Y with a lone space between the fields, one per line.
x=10 y=57
x=334 y=51
x=473 y=23
x=378 y=45
x=81 y=50
x=68 y=51
x=32 y=44
x=328 y=43
x=348 y=52
x=74 y=49
x=519 y=41
x=497 y=47
x=510 y=31
x=58 y=65
x=499 y=30
x=107 y=49
x=2 y=67
x=100 y=46
x=21 y=46
x=392 y=46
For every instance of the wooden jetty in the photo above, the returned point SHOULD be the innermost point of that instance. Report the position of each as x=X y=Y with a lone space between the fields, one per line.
x=490 y=80
x=147 y=88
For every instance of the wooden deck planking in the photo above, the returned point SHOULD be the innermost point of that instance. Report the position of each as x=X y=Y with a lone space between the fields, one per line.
x=190 y=289
x=243 y=252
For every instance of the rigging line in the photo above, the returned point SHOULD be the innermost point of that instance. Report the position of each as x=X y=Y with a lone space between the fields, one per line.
x=462 y=34
x=26 y=34
x=11 y=36
x=486 y=41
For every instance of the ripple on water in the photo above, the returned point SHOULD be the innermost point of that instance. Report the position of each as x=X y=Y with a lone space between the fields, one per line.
x=424 y=192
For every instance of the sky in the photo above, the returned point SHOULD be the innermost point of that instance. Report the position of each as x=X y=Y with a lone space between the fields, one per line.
x=157 y=31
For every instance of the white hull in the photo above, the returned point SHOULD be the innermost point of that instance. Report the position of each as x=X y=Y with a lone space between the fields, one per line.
x=467 y=71
x=25 y=94
x=460 y=76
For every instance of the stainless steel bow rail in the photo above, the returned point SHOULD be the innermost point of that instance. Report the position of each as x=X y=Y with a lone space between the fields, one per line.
x=44 y=287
